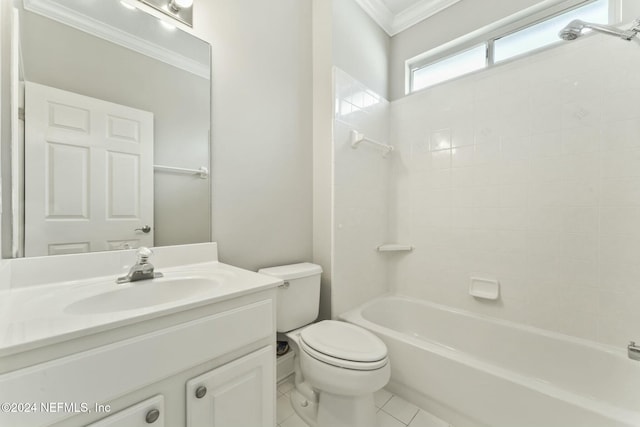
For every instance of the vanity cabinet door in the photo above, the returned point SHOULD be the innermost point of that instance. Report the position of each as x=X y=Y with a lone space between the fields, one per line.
x=240 y=393
x=148 y=413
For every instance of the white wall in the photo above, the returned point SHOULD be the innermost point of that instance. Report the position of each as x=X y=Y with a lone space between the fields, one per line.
x=261 y=118
x=360 y=46
x=262 y=141
x=343 y=35
x=528 y=173
x=361 y=195
x=358 y=178
x=322 y=17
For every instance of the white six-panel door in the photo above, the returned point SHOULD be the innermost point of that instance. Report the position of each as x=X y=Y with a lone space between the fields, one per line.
x=88 y=173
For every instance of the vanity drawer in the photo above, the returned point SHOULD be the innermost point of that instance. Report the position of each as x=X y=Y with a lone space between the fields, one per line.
x=149 y=413
x=104 y=373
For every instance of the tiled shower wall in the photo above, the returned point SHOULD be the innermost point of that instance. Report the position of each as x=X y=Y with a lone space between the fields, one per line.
x=528 y=173
x=361 y=195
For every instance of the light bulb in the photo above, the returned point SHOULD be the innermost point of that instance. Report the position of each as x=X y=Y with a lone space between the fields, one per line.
x=181 y=4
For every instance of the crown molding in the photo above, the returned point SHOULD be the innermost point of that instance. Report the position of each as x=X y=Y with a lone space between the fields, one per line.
x=394 y=24
x=419 y=12
x=379 y=12
x=105 y=31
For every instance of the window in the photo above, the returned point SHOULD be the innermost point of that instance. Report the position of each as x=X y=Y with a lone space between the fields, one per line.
x=546 y=33
x=506 y=45
x=449 y=68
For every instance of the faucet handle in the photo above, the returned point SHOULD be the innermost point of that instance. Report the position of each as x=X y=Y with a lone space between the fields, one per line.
x=144 y=253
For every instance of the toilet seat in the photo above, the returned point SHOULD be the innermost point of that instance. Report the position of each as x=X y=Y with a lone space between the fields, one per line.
x=344 y=345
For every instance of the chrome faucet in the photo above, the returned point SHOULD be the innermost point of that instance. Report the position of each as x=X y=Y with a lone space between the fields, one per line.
x=142 y=269
x=633 y=351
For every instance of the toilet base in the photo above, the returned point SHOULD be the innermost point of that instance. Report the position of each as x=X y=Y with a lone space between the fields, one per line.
x=320 y=408
x=346 y=411
x=305 y=408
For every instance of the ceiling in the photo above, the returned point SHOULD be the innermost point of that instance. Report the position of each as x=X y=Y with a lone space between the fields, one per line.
x=395 y=16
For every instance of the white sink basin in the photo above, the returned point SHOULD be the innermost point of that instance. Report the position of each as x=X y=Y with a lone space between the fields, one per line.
x=49 y=300
x=143 y=294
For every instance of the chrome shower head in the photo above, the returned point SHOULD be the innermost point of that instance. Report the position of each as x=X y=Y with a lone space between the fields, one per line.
x=574 y=29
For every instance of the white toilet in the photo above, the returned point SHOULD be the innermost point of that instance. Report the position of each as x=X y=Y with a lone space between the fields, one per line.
x=338 y=366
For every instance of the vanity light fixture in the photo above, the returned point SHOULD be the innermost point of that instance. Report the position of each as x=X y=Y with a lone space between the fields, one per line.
x=181 y=10
x=177 y=5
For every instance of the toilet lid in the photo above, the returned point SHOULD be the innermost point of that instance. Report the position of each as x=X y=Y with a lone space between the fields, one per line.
x=344 y=341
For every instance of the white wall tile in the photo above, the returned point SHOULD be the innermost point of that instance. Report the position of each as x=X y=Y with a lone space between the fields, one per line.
x=441 y=159
x=621 y=134
x=362 y=191
x=620 y=192
x=533 y=178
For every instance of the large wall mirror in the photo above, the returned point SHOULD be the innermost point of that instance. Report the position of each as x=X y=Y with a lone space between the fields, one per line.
x=111 y=149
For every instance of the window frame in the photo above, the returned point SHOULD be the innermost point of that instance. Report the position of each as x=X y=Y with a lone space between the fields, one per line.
x=452 y=55
x=502 y=28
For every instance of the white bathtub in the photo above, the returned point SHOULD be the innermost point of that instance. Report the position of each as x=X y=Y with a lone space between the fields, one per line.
x=479 y=371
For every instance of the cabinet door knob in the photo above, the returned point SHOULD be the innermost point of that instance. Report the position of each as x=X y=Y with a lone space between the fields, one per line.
x=152 y=416
x=201 y=391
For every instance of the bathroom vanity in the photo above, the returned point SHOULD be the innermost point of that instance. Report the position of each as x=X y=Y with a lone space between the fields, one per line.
x=194 y=348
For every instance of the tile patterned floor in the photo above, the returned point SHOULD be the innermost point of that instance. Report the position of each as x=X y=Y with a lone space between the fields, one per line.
x=393 y=411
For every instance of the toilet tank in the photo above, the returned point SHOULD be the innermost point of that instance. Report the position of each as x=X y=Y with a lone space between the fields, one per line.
x=299 y=297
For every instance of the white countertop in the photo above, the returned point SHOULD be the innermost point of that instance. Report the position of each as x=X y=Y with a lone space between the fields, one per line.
x=35 y=316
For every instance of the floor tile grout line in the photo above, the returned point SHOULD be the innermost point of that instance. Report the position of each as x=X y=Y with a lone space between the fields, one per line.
x=391 y=398
x=388 y=400
x=414 y=417
x=294 y=413
x=397 y=419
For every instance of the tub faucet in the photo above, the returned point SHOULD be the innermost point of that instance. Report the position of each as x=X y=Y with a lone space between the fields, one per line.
x=142 y=269
x=633 y=351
